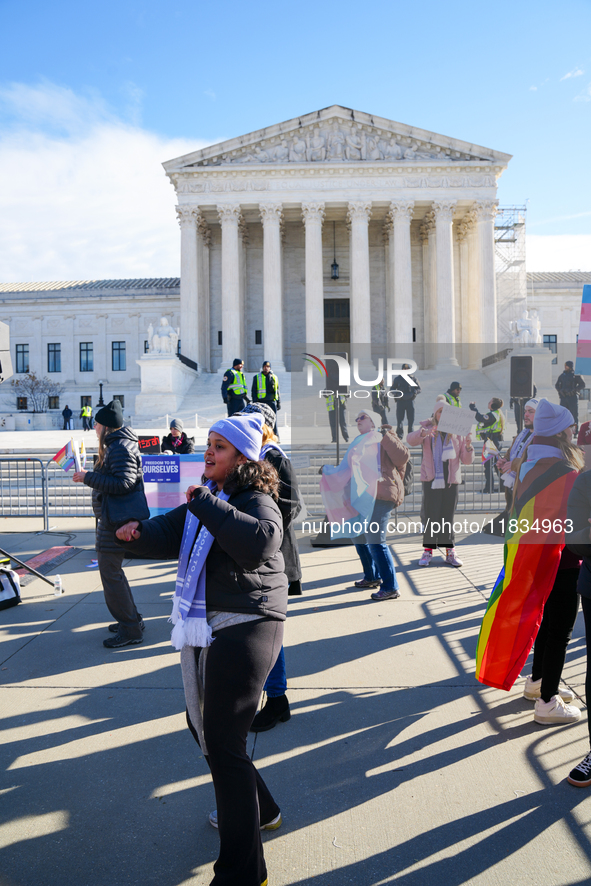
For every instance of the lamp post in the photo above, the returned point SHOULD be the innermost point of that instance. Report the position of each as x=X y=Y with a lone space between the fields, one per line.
x=334 y=268
x=100 y=399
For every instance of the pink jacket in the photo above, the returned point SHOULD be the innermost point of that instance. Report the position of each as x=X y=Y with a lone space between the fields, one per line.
x=463 y=456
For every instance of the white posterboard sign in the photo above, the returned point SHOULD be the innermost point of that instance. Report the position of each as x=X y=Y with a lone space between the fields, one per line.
x=454 y=420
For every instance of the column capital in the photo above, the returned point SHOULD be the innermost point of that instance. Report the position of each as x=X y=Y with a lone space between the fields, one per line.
x=203 y=230
x=229 y=213
x=186 y=215
x=271 y=213
x=359 y=210
x=465 y=225
x=486 y=209
x=401 y=210
x=313 y=212
x=444 y=210
x=427 y=226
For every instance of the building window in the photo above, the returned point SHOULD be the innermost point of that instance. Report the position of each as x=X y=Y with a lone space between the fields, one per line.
x=178 y=346
x=414 y=333
x=85 y=401
x=53 y=402
x=21 y=402
x=118 y=356
x=22 y=360
x=551 y=342
x=54 y=358
x=146 y=346
x=86 y=356
x=585 y=394
x=219 y=337
x=258 y=336
x=121 y=398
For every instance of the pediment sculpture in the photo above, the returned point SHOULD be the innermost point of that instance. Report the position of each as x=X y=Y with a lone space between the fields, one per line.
x=332 y=142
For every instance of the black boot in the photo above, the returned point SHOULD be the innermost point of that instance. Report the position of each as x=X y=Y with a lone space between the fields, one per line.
x=275 y=710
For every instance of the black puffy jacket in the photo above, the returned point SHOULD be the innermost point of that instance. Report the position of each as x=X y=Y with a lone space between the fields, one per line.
x=118 y=475
x=289 y=505
x=244 y=571
x=578 y=541
x=185 y=447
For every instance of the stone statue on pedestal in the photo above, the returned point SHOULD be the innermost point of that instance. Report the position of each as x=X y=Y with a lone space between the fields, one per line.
x=164 y=339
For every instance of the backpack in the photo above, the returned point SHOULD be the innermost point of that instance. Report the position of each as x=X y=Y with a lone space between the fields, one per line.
x=10 y=588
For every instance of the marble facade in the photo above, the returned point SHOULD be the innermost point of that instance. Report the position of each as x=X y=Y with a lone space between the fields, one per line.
x=409 y=215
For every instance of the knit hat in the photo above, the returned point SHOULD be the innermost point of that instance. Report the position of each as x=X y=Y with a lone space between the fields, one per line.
x=245 y=432
x=376 y=419
x=111 y=415
x=454 y=384
x=236 y=361
x=264 y=410
x=551 y=419
x=533 y=403
x=177 y=424
x=570 y=364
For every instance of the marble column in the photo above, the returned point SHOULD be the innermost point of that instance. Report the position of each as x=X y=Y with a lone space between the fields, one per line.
x=427 y=236
x=401 y=270
x=271 y=214
x=444 y=210
x=187 y=219
x=358 y=215
x=313 y=215
x=204 y=341
x=469 y=300
x=485 y=213
x=229 y=215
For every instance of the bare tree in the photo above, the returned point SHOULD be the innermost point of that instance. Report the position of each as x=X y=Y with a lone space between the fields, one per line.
x=37 y=390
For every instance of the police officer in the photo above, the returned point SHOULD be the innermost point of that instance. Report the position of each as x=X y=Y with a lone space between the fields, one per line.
x=379 y=400
x=490 y=427
x=452 y=395
x=568 y=386
x=234 y=390
x=265 y=389
x=405 y=405
x=330 y=405
x=86 y=417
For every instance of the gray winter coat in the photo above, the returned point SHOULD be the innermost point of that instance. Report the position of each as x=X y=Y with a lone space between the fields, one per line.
x=118 y=475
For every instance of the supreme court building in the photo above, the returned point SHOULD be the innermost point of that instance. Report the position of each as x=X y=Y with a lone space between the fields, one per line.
x=334 y=227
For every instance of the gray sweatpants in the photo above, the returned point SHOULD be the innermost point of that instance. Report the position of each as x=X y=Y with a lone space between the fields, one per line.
x=118 y=596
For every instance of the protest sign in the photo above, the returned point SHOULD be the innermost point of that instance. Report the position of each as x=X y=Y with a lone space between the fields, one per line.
x=454 y=420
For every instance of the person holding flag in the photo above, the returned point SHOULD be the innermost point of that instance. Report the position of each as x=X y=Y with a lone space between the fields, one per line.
x=539 y=575
x=490 y=429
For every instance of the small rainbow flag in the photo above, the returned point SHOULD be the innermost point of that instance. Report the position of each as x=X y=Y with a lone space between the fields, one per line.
x=66 y=457
x=489 y=450
x=515 y=608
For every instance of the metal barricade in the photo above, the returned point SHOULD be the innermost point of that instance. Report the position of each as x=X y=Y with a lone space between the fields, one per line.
x=64 y=497
x=22 y=487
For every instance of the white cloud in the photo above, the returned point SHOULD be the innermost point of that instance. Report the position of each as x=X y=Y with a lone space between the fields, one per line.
x=82 y=193
x=533 y=89
x=558 y=252
x=576 y=72
x=585 y=95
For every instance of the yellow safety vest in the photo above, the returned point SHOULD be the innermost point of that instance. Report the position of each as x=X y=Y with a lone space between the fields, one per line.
x=330 y=402
x=453 y=401
x=262 y=385
x=86 y=411
x=238 y=386
x=497 y=428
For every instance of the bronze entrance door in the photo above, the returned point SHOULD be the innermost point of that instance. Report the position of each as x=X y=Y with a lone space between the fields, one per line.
x=337 y=328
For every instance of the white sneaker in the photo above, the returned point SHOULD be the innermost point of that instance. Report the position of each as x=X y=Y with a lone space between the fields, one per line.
x=533 y=688
x=555 y=711
x=426 y=558
x=269 y=826
x=452 y=559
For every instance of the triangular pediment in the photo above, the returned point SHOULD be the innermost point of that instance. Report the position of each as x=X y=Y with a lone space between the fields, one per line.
x=336 y=135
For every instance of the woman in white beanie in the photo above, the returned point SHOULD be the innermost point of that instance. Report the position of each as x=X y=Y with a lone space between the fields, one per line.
x=443 y=455
x=553 y=434
x=231 y=588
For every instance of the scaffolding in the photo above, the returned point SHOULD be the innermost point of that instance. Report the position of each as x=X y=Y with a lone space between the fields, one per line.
x=510 y=271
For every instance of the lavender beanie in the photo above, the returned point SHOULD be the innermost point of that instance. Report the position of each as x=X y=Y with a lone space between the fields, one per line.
x=245 y=432
x=551 y=419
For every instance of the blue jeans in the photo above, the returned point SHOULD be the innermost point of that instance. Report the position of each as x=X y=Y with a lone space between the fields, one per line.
x=276 y=683
x=369 y=568
x=378 y=549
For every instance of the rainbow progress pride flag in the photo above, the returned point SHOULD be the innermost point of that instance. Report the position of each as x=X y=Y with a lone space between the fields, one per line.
x=66 y=458
x=516 y=605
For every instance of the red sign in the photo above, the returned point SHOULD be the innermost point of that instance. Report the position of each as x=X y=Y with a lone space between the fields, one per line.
x=149 y=445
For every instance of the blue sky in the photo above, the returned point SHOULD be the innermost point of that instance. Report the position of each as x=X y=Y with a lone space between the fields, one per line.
x=93 y=97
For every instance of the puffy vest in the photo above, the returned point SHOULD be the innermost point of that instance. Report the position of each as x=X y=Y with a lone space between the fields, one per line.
x=262 y=385
x=238 y=385
x=497 y=428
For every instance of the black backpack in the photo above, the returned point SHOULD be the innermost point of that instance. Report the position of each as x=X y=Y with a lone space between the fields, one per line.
x=408 y=480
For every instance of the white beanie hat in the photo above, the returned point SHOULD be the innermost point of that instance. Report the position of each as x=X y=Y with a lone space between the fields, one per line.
x=376 y=419
x=551 y=419
x=533 y=403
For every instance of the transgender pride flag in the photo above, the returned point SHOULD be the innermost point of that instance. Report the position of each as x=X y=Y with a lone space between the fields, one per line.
x=583 y=364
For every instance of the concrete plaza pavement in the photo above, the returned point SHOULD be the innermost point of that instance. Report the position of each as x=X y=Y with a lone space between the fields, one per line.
x=396 y=766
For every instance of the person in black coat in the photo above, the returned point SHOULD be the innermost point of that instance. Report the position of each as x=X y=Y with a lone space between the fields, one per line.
x=245 y=603
x=177 y=442
x=67 y=414
x=579 y=542
x=276 y=708
x=568 y=385
x=117 y=474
